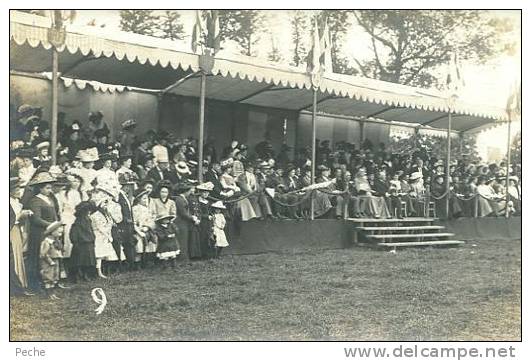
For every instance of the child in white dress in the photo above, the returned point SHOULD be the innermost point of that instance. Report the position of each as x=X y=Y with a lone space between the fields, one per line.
x=218 y=224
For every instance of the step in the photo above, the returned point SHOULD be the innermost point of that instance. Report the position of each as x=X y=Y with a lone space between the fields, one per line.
x=399 y=228
x=415 y=235
x=391 y=220
x=426 y=243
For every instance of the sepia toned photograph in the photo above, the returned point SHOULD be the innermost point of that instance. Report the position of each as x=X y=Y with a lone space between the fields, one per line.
x=265 y=175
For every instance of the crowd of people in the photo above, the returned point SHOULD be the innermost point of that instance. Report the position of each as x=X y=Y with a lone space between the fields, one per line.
x=131 y=202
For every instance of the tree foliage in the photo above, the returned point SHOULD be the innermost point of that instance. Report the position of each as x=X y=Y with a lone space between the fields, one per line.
x=243 y=27
x=407 y=45
x=139 y=21
x=170 y=25
x=299 y=36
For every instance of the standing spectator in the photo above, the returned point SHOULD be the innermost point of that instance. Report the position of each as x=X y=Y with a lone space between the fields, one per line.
x=17 y=233
x=161 y=204
x=97 y=124
x=102 y=225
x=187 y=222
x=146 y=245
x=218 y=222
x=83 y=255
x=127 y=137
x=45 y=212
x=50 y=255
x=168 y=245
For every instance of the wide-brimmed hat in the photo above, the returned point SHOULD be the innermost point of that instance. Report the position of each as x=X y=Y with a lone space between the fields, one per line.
x=129 y=123
x=164 y=216
x=514 y=178
x=41 y=145
x=439 y=163
x=182 y=168
x=207 y=186
x=108 y=156
x=42 y=178
x=218 y=205
x=140 y=193
x=415 y=176
x=88 y=155
x=52 y=227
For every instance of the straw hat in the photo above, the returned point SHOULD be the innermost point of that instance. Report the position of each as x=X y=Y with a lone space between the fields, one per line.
x=52 y=227
x=42 y=178
x=41 y=145
x=140 y=193
x=218 y=205
x=182 y=168
x=208 y=187
x=165 y=216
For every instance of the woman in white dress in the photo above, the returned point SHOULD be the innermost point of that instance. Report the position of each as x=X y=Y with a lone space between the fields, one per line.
x=102 y=223
x=68 y=199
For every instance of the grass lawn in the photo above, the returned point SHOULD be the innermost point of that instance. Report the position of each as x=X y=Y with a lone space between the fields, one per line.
x=465 y=293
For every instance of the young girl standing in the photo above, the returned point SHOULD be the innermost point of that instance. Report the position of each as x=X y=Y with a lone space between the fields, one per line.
x=50 y=256
x=168 y=246
x=218 y=223
x=83 y=256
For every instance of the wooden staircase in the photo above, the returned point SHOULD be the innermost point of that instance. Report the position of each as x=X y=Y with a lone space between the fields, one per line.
x=403 y=232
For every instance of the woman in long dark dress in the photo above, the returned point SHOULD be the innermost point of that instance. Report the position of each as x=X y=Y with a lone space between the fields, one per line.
x=83 y=256
x=44 y=213
x=187 y=222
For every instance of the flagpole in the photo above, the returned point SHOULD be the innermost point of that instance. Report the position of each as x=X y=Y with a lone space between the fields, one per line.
x=448 y=155
x=202 y=94
x=507 y=196
x=55 y=93
x=314 y=113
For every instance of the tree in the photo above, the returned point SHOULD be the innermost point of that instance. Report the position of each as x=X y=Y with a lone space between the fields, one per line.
x=243 y=27
x=139 y=21
x=170 y=25
x=299 y=34
x=407 y=45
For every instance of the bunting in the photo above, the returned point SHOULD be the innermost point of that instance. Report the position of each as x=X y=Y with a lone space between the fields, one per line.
x=196 y=32
x=319 y=58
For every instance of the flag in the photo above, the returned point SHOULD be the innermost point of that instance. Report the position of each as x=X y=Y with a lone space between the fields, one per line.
x=326 y=49
x=213 y=34
x=313 y=64
x=196 y=32
x=320 y=55
x=454 y=78
x=514 y=102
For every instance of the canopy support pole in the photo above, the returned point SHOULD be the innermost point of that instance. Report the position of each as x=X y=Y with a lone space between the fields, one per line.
x=448 y=155
x=55 y=86
x=507 y=195
x=362 y=133
x=314 y=115
x=201 y=127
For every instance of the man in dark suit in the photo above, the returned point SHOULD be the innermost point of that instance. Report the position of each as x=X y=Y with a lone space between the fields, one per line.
x=212 y=175
x=159 y=172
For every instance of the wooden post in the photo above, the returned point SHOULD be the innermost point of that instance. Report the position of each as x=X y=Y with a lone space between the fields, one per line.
x=55 y=93
x=448 y=155
x=362 y=133
x=507 y=196
x=201 y=127
x=314 y=115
